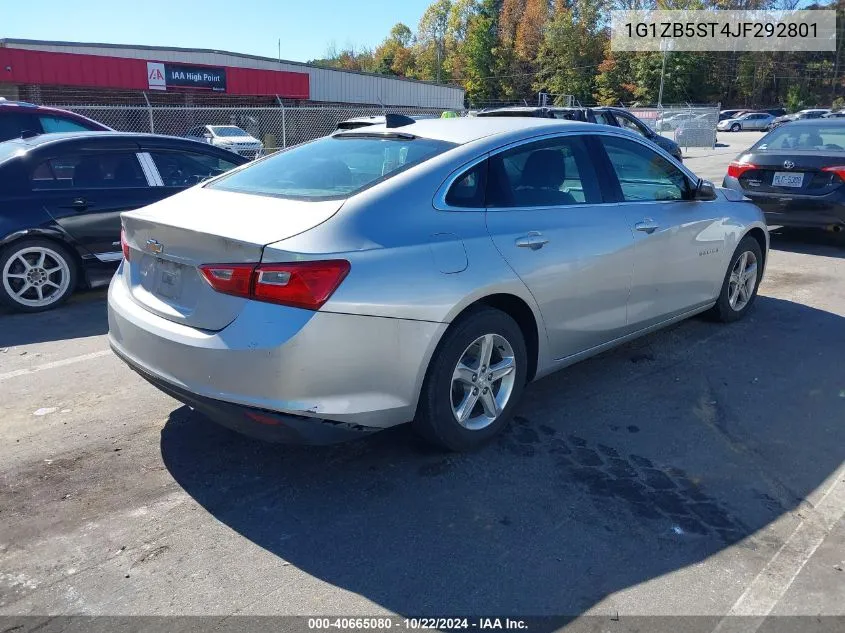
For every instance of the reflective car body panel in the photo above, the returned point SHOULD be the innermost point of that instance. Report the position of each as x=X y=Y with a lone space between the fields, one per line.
x=584 y=262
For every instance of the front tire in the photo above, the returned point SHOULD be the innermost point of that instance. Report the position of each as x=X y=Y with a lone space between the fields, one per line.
x=474 y=381
x=36 y=275
x=736 y=127
x=742 y=280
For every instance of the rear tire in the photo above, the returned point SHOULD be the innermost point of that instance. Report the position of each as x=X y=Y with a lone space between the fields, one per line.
x=36 y=275
x=742 y=280
x=474 y=381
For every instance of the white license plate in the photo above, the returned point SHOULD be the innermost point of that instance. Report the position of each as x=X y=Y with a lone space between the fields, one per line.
x=787 y=179
x=169 y=279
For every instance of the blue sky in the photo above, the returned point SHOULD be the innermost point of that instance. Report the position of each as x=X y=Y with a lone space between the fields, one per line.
x=306 y=27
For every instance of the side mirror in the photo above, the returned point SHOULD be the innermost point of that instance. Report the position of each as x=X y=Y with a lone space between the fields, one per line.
x=705 y=190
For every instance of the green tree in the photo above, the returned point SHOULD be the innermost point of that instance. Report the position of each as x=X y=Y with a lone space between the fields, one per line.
x=480 y=50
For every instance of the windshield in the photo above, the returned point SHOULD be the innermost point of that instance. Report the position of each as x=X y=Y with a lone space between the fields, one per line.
x=331 y=167
x=807 y=137
x=227 y=130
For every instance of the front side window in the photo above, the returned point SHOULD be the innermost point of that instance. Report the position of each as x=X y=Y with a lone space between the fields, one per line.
x=185 y=169
x=53 y=124
x=112 y=170
x=643 y=174
x=333 y=167
x=551 y=173
x=13 y=125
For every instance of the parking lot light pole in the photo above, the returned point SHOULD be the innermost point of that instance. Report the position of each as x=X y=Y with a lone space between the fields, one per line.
x=662 y=74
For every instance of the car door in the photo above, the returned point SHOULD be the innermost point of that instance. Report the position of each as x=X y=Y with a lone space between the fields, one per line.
x=677 y=266
x=86 y=190
x=546 y=216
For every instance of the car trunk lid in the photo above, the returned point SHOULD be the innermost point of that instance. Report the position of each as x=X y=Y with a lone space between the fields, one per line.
x=795 y=173
x=169 y=240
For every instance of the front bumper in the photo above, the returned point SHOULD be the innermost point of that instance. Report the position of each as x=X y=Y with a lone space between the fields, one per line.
x=796 y=211
x=356 y=370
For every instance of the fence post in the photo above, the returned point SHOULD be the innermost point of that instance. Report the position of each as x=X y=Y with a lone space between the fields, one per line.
x=150 y=112
x=284 y=126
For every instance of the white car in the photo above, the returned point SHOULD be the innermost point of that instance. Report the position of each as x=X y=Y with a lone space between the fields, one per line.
x=229 y=137
x=672 y=121
x=750 y=121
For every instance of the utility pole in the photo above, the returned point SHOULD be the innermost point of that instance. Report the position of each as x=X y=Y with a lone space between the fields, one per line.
x=662 y=73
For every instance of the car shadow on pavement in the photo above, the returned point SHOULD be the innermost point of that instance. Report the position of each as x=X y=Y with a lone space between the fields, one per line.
x=84 y=315
x=640 y=462
x=808 y=242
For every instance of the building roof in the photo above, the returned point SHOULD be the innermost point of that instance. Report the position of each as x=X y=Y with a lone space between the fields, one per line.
x=178 y=49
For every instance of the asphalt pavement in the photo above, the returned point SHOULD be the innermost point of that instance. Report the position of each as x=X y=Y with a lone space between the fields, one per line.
x=695 y=472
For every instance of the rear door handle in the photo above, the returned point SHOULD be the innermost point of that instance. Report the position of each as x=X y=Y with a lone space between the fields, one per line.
x=534 y=240
x=647 y=226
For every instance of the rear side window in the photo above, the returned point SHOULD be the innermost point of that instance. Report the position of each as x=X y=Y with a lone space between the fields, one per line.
x=113 y=170
x=468 y=190
x=185 y=169
x=548 y=173
x=644 y=174
x=52 y=124
x=333 y=167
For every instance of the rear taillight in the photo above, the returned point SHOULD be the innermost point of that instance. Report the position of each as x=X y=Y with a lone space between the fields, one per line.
x=839 y=170
x=123 y=245
x=299 y=284
x=736 y=168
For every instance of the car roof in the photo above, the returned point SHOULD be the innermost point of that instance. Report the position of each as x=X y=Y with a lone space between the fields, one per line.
x=467 y=129
x=42 y=140
x=799 y=123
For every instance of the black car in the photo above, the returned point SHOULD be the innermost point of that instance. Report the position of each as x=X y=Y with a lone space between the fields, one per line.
x=795 y=174
x=20 y=119
x=61 y=196
x=616 y=117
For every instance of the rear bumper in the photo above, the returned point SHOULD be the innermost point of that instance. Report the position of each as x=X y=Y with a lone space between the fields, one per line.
x=261 y=424
x=321 y=366
x=796 y=211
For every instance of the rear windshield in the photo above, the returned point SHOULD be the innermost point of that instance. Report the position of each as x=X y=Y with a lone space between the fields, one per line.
x=829 y=137
x=331 y=168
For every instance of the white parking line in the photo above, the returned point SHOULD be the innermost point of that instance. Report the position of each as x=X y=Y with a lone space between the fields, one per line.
x=773 y=581
x=56 y=363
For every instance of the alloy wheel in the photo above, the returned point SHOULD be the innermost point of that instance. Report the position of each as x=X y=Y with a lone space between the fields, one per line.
x=36 y=276
x=483 y=381
x=742 y=281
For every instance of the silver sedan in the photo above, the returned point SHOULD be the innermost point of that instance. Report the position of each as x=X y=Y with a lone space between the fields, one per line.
x=421 y=271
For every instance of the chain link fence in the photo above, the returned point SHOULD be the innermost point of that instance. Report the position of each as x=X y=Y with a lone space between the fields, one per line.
x=688 y=125
x=275 y=127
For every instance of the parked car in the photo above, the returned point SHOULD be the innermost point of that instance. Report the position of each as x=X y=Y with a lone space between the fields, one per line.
x=795 y=173
x=228 y=137
x=671 y=121
x=422 y=271
x=616 y=117
x=20 y=119
x=61 y=196
x=834 y=115
x=812 y=113
x=748 y=121
x=731 y=114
